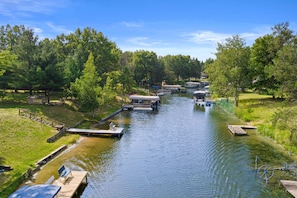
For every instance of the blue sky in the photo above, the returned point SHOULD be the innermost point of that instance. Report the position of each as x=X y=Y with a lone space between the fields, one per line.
x=188 y=27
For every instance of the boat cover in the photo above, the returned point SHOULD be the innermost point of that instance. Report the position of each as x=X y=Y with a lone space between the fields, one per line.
x=36 y=191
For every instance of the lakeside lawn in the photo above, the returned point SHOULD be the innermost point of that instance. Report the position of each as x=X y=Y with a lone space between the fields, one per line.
x=259 y=111
x=23 y=141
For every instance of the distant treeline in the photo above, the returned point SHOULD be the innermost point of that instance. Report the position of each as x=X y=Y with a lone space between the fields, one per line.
x=27 y=62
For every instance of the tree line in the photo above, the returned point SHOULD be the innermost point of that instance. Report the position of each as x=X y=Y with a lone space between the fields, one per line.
x=27 y=62
x=269 y=66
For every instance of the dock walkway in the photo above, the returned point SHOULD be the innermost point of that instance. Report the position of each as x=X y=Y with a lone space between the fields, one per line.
x=239 y=129
x=117 y=131
x=69 y=188
x=291 y=186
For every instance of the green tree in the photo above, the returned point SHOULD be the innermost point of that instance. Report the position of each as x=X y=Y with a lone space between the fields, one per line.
x=285 y=69
x=229 y=72
x=284 y=47
x=6 y=60
x=127 y=81
x=262 y=54
x=86 y=88
x=169 y=74
x=74 y=50
x=23 y=43
x=49 y=72
x=109 y=92
x=144 y=63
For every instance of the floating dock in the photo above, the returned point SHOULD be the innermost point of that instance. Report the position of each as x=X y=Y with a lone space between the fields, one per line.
x=291 y=186
x=117 y=131
x=70 y=186
x=239 y=129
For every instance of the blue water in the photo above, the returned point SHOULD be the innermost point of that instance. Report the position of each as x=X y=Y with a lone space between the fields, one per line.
x=180 y=151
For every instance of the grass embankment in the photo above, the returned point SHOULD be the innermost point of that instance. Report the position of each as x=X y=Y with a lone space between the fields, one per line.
x=23 y=141
x=259 y=110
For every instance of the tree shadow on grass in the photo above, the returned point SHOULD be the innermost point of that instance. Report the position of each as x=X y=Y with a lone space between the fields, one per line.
x=2 y=160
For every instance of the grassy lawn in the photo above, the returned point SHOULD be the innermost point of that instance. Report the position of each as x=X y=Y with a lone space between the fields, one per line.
x=258 y=110
x=23 y=141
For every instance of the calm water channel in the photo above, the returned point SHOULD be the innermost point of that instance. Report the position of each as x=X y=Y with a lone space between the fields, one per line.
x=179 y=151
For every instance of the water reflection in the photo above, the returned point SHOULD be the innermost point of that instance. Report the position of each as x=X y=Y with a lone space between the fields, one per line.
x=179 y=151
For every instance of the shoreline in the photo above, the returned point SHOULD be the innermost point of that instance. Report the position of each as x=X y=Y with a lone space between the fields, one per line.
x=69 y=147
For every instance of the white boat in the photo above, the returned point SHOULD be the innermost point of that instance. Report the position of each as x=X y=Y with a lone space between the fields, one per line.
x=192 y=85
x=144 y=103
x=199 y=98
x=206 y=88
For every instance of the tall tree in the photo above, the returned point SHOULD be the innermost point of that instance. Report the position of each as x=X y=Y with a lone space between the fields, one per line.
x=263 y=53
x=6 y=60
x=169 y=75
x=76 y=46
x=23 y=44
x=229 y=72
x=144 y=63
x=86 y=88
x=126 y=79
x=49 y=72
x=283 y=38
x=285 y=69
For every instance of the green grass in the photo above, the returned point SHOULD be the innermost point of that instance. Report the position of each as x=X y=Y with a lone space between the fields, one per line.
x=23 y=141
x=258 y=110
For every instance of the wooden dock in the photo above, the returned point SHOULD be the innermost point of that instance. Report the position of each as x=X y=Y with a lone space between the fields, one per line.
x=69 y=188
x=117 y=131
x=239 y=129
x=291 y=186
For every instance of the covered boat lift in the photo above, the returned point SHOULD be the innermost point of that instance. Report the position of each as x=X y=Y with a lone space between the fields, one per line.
x=41 y=190
x=141 y=102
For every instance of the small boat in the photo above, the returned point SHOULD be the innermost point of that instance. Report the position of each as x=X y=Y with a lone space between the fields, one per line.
x=199 y=98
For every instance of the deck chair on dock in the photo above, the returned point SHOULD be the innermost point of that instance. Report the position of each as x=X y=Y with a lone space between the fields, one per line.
x=64 y=173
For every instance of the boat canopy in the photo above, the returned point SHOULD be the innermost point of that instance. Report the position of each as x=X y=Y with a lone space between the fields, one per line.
x=199 y=92
x=192 y=84
x=141 y=97
x=41 y=190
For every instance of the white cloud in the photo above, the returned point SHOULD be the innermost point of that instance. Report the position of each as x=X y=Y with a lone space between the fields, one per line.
x=58 y=28
x=144 y=42
x=37 y=30
x=204 y=37
x=210 y=37
x=25 y=7
x=132 y=24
